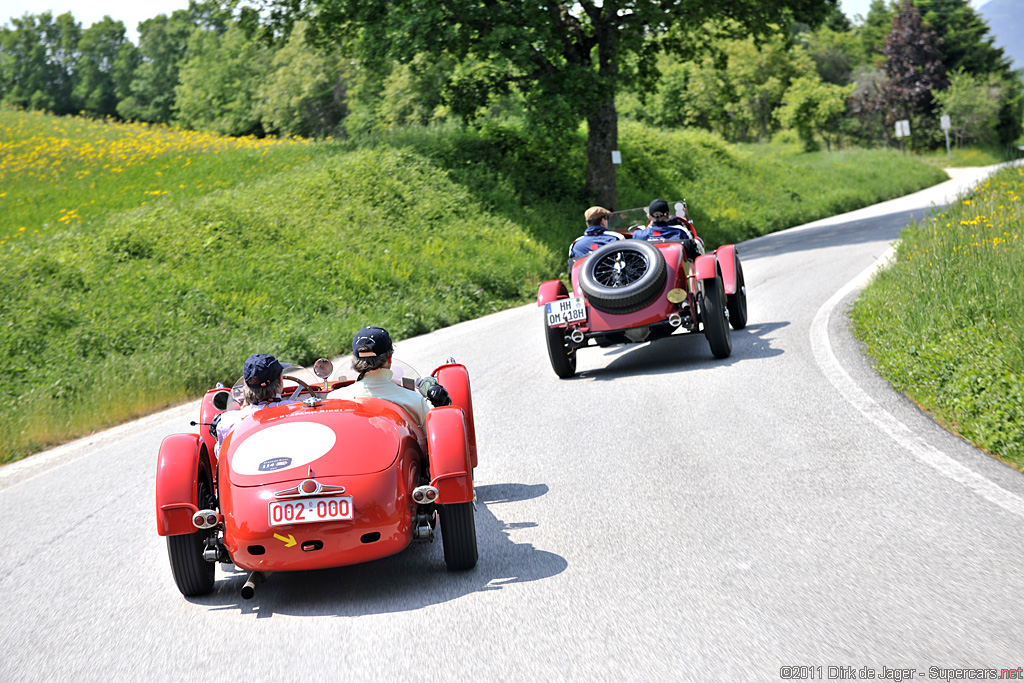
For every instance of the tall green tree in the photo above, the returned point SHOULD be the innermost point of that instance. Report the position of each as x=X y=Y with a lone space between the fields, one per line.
x=105 y=67
x=967 y=44
x=163 y=45
x=38 y=56
x=304 y=92
x=565 y=56
x=875 y=30
x=219 y=82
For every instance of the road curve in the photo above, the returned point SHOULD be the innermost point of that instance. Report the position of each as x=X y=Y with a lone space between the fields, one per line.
x=661 y=516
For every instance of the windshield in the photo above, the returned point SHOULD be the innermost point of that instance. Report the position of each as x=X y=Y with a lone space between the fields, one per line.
x=403 y=374
x=631 y=219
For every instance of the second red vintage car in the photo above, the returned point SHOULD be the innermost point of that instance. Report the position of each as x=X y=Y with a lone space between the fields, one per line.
x=318 y=482
x=633 y=291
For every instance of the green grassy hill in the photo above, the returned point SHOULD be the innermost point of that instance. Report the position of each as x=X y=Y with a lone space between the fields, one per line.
x=139 y=265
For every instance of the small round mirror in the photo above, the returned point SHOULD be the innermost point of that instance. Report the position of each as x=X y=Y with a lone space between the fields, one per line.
x=220 y=400
x=323 y=368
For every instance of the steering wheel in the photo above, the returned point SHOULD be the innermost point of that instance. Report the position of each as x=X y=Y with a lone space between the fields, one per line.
x=304 y=386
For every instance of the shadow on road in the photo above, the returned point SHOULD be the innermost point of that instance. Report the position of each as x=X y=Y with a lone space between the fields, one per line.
x=413 y=579
x=681 y=352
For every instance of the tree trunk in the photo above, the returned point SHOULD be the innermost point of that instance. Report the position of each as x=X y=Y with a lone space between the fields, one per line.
x=603 y=121
x=602 y=138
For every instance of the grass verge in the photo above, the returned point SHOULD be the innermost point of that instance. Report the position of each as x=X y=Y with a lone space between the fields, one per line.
x=946 y=322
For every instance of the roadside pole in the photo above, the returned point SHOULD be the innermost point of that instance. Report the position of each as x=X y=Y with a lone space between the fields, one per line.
x=617 y=160
x=902 y=131
x=944 y=121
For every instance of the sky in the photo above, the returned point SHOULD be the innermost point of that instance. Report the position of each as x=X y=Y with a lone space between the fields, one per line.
x=131 y=12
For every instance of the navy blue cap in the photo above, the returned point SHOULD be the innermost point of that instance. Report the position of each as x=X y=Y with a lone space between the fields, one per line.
x=261 y=369
x=657 y=206
x=374 y=342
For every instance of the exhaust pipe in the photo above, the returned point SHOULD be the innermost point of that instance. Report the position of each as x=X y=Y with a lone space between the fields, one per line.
x=249 y=589
x=675 y=320
x=576 y=336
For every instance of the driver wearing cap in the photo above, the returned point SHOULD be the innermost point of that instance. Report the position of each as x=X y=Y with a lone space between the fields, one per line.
x=665 y=226
x=597 y=233
x=372 y=353
x=263 y=382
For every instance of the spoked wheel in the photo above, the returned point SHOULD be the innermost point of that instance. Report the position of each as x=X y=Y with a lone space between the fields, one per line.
x=563 y=361
x=193 y=575
x=716 y=326
x=623 y=277
x=458 y=535
x=737 y=303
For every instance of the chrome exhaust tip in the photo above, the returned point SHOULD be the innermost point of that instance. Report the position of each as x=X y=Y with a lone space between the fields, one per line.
x=675 y=320
x=249 y=589
x=206 y=519
x=424 y=495
x=576 y=336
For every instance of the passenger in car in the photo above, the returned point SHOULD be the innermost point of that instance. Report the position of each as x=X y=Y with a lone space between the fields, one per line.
x=666 y=226
x=372 y=353
x=596 y=234
x=262 y=383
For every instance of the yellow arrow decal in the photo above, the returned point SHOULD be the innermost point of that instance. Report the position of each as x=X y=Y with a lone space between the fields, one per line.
x=288 y=540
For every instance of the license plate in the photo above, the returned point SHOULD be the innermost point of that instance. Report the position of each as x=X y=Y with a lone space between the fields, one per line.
x=310 y=510
x=566 y=311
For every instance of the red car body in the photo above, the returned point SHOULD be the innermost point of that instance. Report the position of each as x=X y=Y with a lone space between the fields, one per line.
x=288 y=475
x=706 y=294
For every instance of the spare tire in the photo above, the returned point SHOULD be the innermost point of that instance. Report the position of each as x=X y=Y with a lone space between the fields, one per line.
x=623 y=277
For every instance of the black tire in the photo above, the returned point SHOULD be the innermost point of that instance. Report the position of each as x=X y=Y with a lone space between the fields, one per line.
x=458 y=535
x=193 y=575
x=623 y=277
x=737 y=302
x=716 y=327
x=563 y=361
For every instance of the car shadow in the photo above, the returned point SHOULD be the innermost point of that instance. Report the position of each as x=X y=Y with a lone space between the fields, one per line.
x=412 y=579
x=683 y=352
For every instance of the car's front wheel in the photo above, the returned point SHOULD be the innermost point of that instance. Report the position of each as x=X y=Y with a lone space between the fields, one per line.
x=458 y=535
x=716 y=326
x=192 y=574
x=563 y=361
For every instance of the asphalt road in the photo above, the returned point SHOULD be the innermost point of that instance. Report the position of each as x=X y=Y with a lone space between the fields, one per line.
x=662 y=516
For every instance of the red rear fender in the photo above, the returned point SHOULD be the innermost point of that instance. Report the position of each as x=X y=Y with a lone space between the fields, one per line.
x=705 y=267
x=549 y=291
x=177 y=480
x=455 y=379
x=450 y=468
x=727 y=262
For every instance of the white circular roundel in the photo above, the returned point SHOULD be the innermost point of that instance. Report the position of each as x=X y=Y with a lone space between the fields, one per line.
x=282 y=447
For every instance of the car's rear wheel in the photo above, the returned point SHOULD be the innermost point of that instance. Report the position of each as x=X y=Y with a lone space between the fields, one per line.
x=623 y=277
x=563 y=361
x=192 y=574
x=458 y=535
x=716 y=327
x=737 y=303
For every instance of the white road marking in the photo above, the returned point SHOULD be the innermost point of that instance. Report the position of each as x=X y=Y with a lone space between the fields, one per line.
x=899 y=432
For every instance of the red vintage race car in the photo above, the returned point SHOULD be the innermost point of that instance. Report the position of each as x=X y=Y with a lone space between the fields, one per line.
x=316 y=482
x=632 y=291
